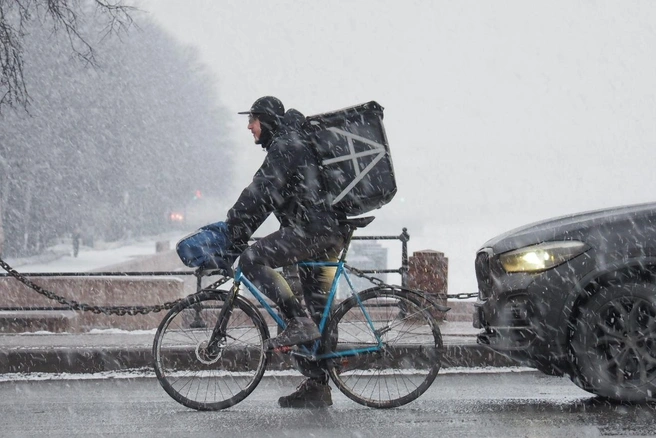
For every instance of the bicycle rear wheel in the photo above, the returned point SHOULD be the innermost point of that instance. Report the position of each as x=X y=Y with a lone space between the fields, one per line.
x=410 y=357
x=194 y=376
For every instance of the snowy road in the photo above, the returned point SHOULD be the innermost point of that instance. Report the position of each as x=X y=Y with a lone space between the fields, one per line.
x=524 y=404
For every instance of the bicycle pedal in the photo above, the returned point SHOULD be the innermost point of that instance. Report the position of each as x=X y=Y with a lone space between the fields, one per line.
x=285 y=349
x=303 y=355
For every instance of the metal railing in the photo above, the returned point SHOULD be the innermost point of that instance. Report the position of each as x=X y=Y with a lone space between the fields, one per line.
x=404 y=237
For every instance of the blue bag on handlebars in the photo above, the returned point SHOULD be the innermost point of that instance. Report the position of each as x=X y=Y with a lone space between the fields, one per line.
x=208 y=248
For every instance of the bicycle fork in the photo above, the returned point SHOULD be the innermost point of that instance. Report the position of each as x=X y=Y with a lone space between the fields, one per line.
x=215 y=343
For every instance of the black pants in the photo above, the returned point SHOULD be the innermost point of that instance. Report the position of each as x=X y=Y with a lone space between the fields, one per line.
x=288 y=246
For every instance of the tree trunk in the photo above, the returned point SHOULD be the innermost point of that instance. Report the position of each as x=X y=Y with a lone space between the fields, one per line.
x=2 y=230
x=4 y=196
x=27 y=215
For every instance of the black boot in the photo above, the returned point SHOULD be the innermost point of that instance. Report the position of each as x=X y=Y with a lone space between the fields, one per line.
x=312 y=393
x=300 y=330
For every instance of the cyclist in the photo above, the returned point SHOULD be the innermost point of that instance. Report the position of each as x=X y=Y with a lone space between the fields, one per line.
x=288 y=185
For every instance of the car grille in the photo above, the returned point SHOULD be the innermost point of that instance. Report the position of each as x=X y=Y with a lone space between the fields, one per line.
x=483 y=275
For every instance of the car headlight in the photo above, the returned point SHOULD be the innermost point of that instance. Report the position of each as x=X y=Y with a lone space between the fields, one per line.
x=541 y=257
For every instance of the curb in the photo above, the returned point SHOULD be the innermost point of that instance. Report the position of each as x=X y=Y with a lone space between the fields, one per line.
x=99 y=359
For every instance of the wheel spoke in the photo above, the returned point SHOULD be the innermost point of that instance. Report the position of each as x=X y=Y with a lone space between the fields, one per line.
x=636 y=318
x=650 y=358
x=609 y=334
x=643 y=367
x=650 y=338
x=616 y=365
x=651 y=325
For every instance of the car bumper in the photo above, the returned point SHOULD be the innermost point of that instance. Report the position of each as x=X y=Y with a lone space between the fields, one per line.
x=524 y=315
x=517 y=340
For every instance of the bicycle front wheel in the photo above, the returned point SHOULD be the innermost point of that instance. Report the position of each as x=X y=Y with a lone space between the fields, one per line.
x=210 y=379
x=400 y=367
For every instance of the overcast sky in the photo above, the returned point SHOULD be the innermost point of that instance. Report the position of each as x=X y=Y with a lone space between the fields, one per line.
x=497 y=113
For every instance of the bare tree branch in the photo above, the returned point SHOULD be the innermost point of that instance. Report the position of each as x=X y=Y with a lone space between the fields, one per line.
x=64 y=16
x=119 y=17
x=12 y=86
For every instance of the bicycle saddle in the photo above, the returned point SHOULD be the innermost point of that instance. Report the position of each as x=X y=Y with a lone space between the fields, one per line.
x=358 y=222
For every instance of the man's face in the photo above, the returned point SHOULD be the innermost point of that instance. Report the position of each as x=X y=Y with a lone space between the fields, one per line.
x=255 y=127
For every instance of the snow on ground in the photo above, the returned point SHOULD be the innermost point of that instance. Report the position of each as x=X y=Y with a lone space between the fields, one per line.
x=147 y=373
x=59 y=258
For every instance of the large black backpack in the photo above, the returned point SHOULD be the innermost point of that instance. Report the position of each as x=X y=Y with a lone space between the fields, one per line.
x=354 y=158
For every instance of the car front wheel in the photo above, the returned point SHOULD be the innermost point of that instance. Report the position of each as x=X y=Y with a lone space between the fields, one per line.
x=614 y=343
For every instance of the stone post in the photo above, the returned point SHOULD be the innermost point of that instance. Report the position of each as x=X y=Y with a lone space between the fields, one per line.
x=428 y=271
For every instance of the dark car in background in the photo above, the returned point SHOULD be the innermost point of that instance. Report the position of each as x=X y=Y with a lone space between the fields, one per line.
x=576 y=296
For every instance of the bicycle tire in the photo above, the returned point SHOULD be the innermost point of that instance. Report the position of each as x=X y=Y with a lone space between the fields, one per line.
x=200 y=382
x=409 y=361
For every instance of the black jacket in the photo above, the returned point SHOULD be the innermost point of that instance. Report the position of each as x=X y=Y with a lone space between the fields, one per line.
x=287 y=184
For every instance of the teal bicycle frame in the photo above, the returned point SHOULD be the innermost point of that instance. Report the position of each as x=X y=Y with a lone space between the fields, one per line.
x=312 y=353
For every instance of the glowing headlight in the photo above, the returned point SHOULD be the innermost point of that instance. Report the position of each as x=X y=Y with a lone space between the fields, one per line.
x=541 y=257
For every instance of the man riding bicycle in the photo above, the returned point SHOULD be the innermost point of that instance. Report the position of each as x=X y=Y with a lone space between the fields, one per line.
x=288 y=185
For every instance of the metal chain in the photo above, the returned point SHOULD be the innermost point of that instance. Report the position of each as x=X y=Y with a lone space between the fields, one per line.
x=74 y=305
x=463 y=295
x=374 y=280
x=143 y=310
x=379 y=282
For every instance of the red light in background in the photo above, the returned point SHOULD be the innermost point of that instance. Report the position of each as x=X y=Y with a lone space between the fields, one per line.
x=176 y=217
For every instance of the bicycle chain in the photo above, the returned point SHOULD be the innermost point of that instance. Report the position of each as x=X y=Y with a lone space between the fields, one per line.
x=74 y=305
x=379 y=282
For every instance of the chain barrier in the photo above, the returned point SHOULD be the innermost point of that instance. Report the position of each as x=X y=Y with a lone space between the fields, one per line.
x=378 y=282
x=143 y=310
x=463 y=296
x=74 y=305
x=372 y=279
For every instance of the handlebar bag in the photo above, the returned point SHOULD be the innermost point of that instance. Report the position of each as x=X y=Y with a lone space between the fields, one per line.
x=208 y=248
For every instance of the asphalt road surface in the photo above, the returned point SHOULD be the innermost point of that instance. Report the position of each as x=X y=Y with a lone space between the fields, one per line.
x=506 y=404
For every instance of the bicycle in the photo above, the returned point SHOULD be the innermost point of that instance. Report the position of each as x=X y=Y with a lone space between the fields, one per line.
x=381 y=347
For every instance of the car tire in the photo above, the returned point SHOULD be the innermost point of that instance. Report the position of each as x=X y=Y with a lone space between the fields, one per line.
x=613 y=344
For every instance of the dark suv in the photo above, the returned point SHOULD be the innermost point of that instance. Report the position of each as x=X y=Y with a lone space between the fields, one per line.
x=576 y=296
